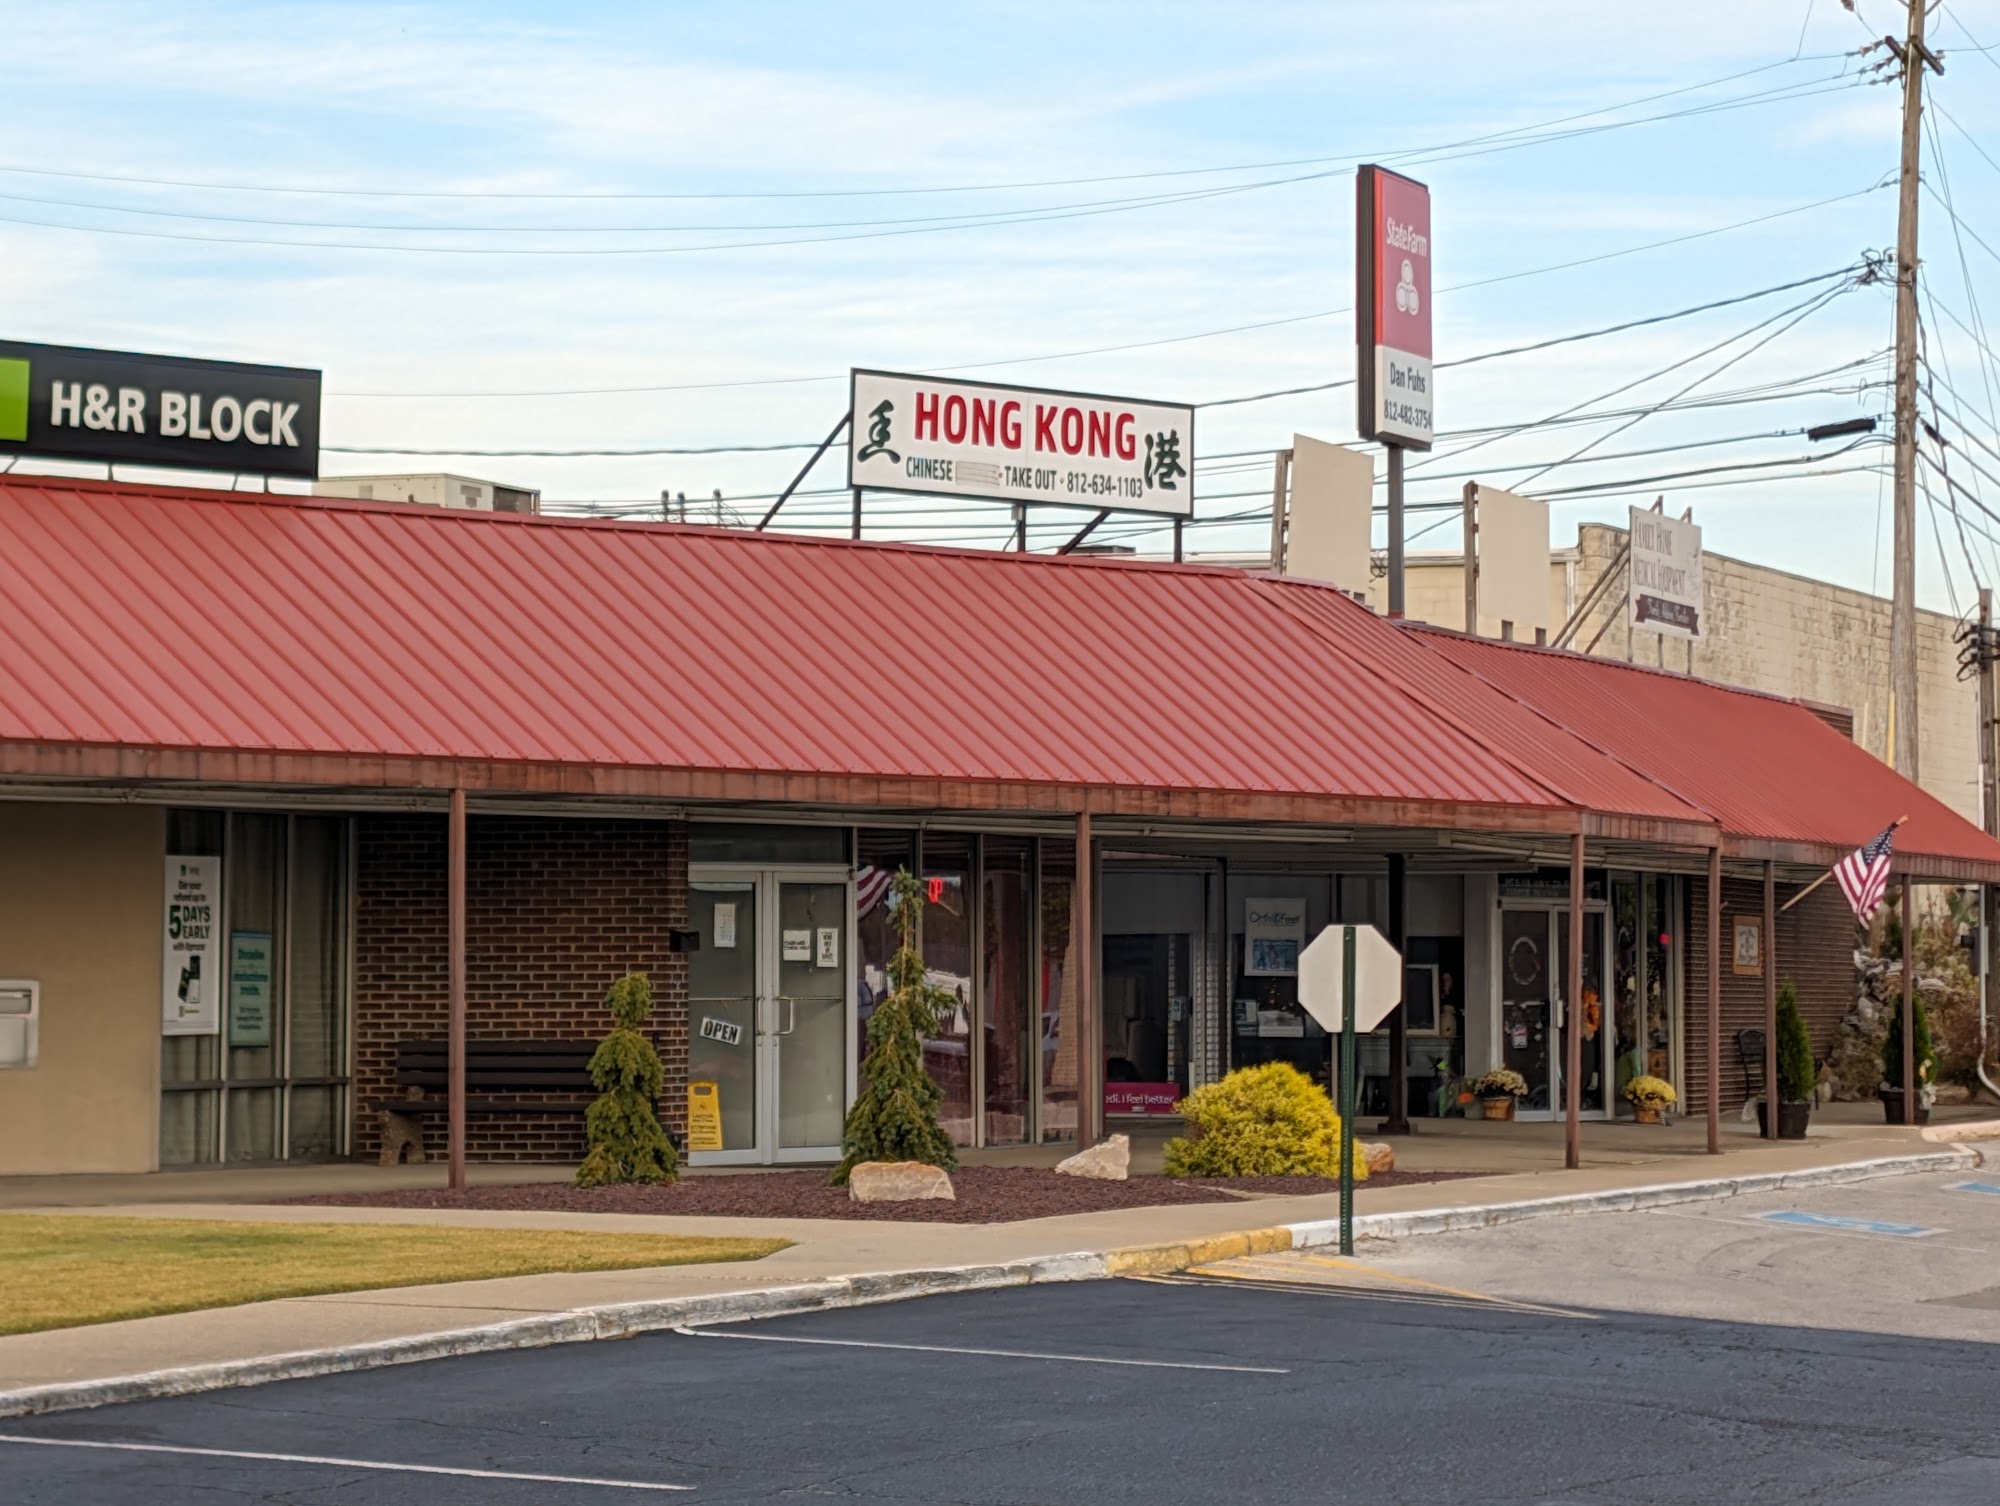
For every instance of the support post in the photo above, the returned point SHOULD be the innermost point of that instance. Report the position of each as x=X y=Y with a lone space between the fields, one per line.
x=1903 y=602
x=1397 y=1120
x=857 y=514
x=1395 y=530
x=1573 y=1014
x=1772 y=1098
x=1021 y=527
x=1179 y=524
x=785 y=495
x=1909 y=1006
x=455 y=948
x=1090 y=1056
x=1712 y=1050
x=1281 y=486
x=1350 y=1099
x=1471 y=496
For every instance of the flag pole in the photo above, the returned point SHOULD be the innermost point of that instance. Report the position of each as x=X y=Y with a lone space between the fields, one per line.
x=1826 y=875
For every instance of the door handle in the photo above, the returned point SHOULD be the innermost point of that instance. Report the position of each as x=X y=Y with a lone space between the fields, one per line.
x=791 y=1014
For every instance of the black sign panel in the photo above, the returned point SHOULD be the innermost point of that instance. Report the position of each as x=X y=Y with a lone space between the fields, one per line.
x=63 y=403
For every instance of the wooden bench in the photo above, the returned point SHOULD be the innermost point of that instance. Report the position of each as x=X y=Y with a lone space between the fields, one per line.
x=498 y=1073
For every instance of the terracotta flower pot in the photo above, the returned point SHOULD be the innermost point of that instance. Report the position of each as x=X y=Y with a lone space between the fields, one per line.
x=1497 y=1108
x=1646 y=1114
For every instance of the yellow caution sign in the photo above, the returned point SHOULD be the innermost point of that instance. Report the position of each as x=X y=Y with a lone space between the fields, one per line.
x=704 y=1116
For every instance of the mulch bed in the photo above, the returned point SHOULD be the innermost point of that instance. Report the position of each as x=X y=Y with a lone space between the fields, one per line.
x=986 y=1195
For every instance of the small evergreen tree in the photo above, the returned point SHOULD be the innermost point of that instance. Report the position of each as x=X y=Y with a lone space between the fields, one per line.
x=896 y=1116
x=626 y=1141
x=1796 y=1074
x=1892 y=1045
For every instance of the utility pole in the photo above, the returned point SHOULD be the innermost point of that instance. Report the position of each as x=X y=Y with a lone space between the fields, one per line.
x=1914 y=56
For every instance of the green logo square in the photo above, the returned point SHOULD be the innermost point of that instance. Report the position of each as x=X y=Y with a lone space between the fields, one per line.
x=14 y=401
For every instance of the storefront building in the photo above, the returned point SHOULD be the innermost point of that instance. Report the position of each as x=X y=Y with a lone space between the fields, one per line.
x=277 y=804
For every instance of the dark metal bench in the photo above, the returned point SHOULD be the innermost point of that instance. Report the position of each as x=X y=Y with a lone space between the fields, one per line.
x=547 y=1078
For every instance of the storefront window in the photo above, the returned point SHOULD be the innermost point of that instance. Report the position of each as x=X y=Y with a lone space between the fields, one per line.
x=272 y=1080
x=948 y=916
x=1662 y=936
x=878 y=855
x=1060 y=1028
x=1006 y=893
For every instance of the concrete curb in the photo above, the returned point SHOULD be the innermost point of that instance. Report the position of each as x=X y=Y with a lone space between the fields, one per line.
x=1955 y=1134
x=612 y=1321
x=627 y=1319
x=1625 y=1200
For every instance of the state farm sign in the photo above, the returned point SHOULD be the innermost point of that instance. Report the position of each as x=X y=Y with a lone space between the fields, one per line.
x=1019 y=444
x=1393 y=307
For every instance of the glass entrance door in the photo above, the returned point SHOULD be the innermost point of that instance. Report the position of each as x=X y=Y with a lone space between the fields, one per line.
x=1527 y=996
x=769 y=1021
x=1536 y=1018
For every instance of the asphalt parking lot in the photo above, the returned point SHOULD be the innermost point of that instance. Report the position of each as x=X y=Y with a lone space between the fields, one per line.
x=1515 y=1365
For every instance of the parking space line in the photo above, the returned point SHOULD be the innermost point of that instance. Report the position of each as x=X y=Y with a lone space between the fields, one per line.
x=1002 y=1354
x=1987 y=1187
x=334 y=1463
x=1754 y=1222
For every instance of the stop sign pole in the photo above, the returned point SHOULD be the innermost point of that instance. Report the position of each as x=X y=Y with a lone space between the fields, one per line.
x=1350 y=977
x=1348 y=1097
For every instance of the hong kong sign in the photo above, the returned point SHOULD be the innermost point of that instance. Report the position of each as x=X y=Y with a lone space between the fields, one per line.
x=1019 y=444
x=63 y=403
x=1393 y=307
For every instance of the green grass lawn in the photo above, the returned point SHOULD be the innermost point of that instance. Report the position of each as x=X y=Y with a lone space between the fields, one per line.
x=57 y=1271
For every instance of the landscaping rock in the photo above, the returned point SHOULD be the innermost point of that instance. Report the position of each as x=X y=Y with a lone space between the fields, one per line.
x=1381 y=1156
x=1108 y=1161
x=898 y=1182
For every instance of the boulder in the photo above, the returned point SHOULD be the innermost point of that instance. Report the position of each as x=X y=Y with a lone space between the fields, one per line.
x=898 y=1182
x=1379 y=1154
x=1110 y=1160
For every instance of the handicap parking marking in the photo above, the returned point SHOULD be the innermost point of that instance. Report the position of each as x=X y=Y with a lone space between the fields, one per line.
x=1844 y=1225
x=1990 y=1187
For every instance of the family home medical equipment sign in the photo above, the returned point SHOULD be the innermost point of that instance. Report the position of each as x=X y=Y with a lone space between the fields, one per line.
x=1019 y=444
x=64 y=403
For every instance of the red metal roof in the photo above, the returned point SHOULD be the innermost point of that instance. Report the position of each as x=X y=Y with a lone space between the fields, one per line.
x=166 y=621
x=156 y=618
x=1768 y=769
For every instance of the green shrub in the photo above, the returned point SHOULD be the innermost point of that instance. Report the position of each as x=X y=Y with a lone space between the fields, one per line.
x=1260 y=1122
x=1892 y=1045
x=626 y=1141
x=1796 y=1074
x=895 y=1118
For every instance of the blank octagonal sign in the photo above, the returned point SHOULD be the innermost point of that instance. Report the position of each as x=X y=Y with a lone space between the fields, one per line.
x=1378 y=977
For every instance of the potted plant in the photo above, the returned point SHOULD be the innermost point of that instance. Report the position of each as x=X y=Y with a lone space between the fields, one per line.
x=1649 y=1096
x=1891 y=1091
x=1797 y=1076
x=1497 y=1091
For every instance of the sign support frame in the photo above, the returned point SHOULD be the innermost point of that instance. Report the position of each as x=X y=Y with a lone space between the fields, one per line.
x=1348 y=1097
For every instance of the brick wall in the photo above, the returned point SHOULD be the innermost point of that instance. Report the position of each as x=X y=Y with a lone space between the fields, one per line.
x=555 y=910
x=1815 y=951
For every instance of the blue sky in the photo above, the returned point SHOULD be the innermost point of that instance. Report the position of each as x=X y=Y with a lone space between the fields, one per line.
x=434 y=126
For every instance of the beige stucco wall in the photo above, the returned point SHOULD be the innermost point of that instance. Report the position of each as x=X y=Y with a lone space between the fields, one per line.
x=80 y=897
x=1767 y=630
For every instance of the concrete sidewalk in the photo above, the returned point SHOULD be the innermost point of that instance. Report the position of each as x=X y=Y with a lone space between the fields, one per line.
x=830 y=1263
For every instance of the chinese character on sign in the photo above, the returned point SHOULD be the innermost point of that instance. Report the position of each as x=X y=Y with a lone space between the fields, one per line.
x=878 y=433
x=1163 y=459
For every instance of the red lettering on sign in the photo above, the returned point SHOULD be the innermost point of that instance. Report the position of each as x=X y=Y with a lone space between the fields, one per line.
x=1072 y=430
x=1100 y=433
x=1045 y=427
x=1128 y=447
x=954 y=419
x=982 y=419
x=927 y=414
x=1010 y=424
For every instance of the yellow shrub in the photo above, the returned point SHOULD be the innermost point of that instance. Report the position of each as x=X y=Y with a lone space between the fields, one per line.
x=1260 y=1122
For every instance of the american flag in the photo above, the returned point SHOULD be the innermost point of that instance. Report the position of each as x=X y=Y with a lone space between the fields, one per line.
x=1864 y=874
x=871 y=886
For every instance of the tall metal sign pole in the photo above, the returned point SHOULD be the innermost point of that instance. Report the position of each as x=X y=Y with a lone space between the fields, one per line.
x=1348 y=1097
x=1350 y=977
x=1915 y=56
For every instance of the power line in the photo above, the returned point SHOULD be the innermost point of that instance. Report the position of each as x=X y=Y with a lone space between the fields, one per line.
x=849 y=193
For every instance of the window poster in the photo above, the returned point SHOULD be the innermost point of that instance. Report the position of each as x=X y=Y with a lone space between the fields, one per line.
x=1273 y=932
x=725 y=923
x=190 y=973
